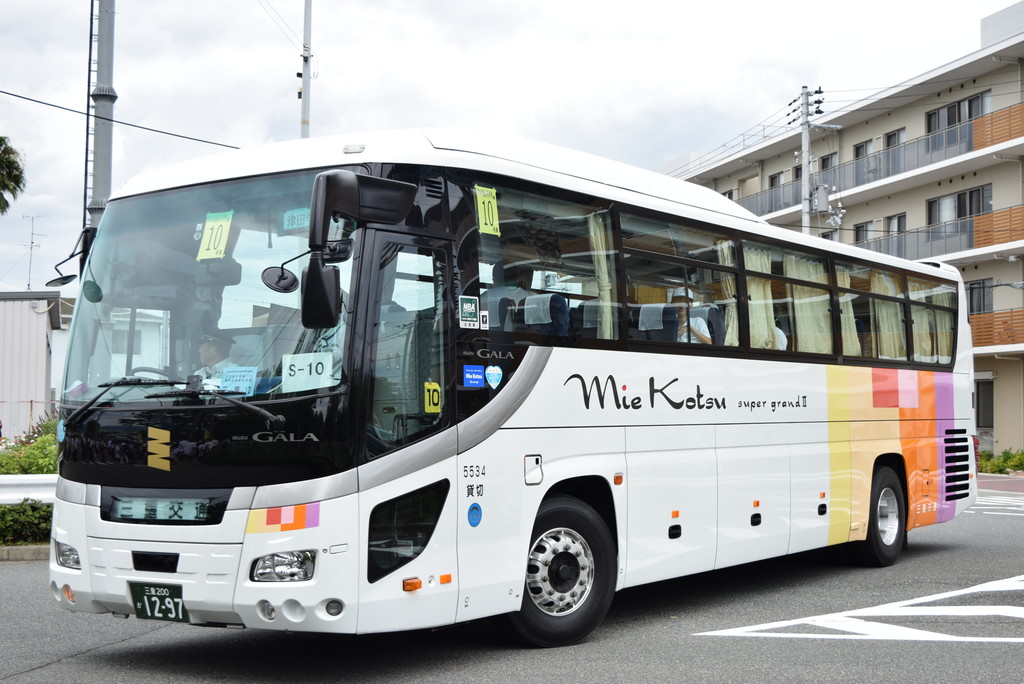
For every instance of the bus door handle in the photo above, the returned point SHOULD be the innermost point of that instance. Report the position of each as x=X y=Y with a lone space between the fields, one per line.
x=533 y=469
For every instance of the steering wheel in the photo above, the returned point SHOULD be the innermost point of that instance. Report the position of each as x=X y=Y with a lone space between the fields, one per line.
x=156 y=371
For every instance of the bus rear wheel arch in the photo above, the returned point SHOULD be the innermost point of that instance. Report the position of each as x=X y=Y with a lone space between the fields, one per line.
x=570 y=574
x=887 y=523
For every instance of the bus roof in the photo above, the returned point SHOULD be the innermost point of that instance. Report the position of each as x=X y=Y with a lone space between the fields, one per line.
x=484 y=151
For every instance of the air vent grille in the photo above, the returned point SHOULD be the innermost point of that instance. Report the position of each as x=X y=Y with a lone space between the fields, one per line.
x=957 y=454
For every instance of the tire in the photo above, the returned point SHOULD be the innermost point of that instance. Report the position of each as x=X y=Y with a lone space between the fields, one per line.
x=887 y=525
x=571 y=568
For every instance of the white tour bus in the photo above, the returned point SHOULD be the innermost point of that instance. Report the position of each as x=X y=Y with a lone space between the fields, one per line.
x=510 y=380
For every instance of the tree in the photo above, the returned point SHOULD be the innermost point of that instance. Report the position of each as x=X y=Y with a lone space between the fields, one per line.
x=12 y=175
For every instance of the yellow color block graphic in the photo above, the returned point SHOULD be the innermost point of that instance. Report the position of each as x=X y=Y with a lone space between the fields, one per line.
x=159 y=455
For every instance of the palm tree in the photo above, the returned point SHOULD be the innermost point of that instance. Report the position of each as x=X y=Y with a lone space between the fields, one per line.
x=12 y=175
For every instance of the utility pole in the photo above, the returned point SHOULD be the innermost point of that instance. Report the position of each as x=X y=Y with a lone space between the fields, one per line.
x=103 y=97
x=805 y=160
x=808 y=192
x=307 y=30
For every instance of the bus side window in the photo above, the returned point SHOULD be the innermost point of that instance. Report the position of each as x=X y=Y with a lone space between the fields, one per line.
x=541 y=257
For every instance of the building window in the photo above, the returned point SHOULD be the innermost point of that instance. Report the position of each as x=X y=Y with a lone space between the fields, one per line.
x=896 y=224
x=979 y=296
x=959 y=112
x=775 y=180
x=863 y=149
x=828 y=161
x=861 y=231
x=894 y=138
x=983 y=396
x=728 y=194
x=829 y=235
x=960 y=205
x=798 y=172
x=119 y=341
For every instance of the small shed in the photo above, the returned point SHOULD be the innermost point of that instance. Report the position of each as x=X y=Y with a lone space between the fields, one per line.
x=27 y=323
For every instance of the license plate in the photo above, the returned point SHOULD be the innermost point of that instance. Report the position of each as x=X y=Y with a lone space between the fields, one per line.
x=158 y=602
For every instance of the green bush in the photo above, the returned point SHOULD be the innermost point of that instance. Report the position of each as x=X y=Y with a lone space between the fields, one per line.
x=25 y=523
x=34 y=453
x=1003 y=463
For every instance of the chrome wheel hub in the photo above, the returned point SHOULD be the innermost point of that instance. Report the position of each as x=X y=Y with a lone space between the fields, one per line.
x=560 y=571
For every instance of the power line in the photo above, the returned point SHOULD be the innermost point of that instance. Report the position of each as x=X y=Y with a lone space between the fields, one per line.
x=122 y=123
x=281 y=24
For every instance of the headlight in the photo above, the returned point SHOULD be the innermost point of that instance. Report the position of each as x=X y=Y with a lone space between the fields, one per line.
x=67 y=556
x=286 y=566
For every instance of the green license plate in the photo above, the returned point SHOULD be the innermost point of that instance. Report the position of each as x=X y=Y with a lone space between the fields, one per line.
x=158 y=602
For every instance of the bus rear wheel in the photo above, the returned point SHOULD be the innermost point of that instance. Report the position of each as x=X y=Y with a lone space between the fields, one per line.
x=887 y=526
x=570 y=575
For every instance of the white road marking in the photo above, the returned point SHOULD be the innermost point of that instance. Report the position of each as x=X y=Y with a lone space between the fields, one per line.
x=997 y=505
x=855 y=624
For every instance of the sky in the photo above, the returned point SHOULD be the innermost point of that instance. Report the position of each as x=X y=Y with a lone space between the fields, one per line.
x=644 y=81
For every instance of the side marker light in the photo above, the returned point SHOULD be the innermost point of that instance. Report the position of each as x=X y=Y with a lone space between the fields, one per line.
x=412 y=584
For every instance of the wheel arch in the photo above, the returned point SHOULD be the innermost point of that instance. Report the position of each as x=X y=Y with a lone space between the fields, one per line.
x=592 y=490
x=898 y=464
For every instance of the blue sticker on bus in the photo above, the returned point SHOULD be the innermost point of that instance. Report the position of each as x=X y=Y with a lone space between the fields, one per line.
x=493 y=375
x=473 y=376
x=475 y=515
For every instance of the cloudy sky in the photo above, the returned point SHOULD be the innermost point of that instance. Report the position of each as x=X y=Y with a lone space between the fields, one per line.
x=643 y=81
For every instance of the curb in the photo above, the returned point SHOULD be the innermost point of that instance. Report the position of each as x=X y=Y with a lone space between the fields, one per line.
x=24 y=553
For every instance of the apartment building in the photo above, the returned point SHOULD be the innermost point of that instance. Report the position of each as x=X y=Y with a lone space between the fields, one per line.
x=932 y=168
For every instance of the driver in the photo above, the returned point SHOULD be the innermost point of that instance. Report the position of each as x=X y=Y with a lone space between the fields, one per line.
x=214 y=356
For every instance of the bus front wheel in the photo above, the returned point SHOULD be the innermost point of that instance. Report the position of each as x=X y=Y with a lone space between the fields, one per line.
x=887 y=526
x=570 y=575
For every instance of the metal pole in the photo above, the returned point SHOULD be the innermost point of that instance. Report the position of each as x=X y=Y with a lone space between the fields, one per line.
x=805 y=160
x=307 y=31
x=103 y=96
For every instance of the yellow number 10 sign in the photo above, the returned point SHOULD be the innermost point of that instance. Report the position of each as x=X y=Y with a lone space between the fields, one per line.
x=487 y=211
x=216 y=230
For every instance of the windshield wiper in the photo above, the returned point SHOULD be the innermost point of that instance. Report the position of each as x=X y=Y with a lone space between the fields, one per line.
x=107 y=386
x=274 y=420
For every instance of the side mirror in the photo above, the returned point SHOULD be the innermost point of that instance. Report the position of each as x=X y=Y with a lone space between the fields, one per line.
x=358 y=198
x=321 y=294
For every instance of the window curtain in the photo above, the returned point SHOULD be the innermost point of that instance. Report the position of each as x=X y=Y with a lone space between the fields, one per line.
x=922 y=321
x=945 y=327
x=727 y=257
x=812 y=324
x=847 y=320
x=887 y=316
x=759 y=298
x=600 y=254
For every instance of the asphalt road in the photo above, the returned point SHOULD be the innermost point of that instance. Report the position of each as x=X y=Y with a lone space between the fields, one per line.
x=802 y=618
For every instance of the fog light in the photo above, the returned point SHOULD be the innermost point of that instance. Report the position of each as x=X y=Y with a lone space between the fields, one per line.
x=286 y=566
x=334 y=607
x=69 y=593
x=67 y=556
x=268 y=610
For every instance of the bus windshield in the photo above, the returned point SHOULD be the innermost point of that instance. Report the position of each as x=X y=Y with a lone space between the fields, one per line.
x=172 y=289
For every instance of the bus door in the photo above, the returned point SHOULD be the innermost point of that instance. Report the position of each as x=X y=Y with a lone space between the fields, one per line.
x=407 y=482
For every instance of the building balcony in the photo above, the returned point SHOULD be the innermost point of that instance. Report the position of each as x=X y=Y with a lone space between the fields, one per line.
x=997 y=328
x=984 y=230
x=985 y=131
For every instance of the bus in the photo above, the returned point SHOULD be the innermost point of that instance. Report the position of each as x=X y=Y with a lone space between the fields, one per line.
x=401 y=380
